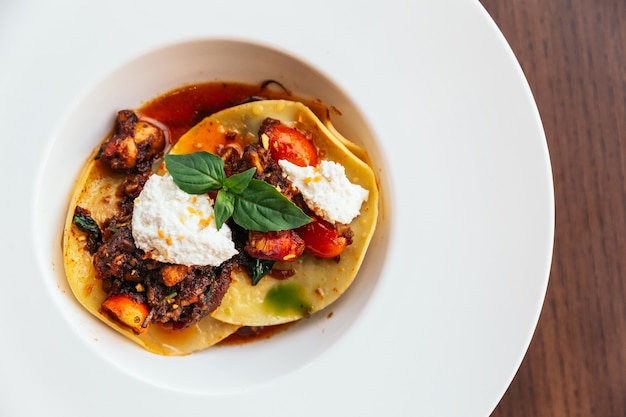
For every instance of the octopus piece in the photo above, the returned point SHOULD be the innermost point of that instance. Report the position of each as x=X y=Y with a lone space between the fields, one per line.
x=134 y=145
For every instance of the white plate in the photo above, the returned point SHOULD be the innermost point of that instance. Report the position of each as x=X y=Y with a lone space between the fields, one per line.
x=440 y=317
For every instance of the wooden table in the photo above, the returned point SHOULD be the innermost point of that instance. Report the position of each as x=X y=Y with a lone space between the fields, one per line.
x=573 y=53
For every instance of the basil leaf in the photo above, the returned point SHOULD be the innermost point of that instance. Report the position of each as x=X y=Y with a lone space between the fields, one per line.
x=224 y=207
x=196 y=173
x=259 y=268
x=238 y=182
x=253 y=204
x=88 y=225
x=262 y=207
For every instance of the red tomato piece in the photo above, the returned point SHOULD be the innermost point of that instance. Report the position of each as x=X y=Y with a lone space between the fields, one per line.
x=287 y=143
x=323 y=239
x=284 y=245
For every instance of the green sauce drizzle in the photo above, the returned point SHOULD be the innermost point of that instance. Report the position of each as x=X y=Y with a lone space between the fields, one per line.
x=286 y=299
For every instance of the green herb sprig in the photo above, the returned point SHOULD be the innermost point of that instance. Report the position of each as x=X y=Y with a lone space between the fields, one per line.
x=253 y=204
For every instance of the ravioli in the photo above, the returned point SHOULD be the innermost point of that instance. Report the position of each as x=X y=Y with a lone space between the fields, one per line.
x=96 y=189
x=315 y=283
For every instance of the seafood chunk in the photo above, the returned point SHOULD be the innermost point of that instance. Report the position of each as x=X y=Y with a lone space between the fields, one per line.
x=135 y=144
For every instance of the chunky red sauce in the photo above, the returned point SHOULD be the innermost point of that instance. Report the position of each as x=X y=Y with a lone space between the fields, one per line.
x=185 y=107
x=181 y=109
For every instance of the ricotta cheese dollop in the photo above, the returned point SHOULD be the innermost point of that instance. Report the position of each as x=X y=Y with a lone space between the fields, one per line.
x=179 y=228
x=326 y=190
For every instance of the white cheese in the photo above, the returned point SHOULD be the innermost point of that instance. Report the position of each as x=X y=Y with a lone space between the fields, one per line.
x=179 y=228
x=326 y=190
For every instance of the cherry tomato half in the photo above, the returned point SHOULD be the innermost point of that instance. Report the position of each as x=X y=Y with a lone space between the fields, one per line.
x=287 y=143
x=323 y=239
x=284 y=245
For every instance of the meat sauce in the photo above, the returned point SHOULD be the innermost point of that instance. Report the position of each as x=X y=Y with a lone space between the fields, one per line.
x=183 y=108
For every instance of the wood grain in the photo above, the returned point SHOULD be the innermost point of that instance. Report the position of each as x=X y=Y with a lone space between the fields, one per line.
x=573 y=53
